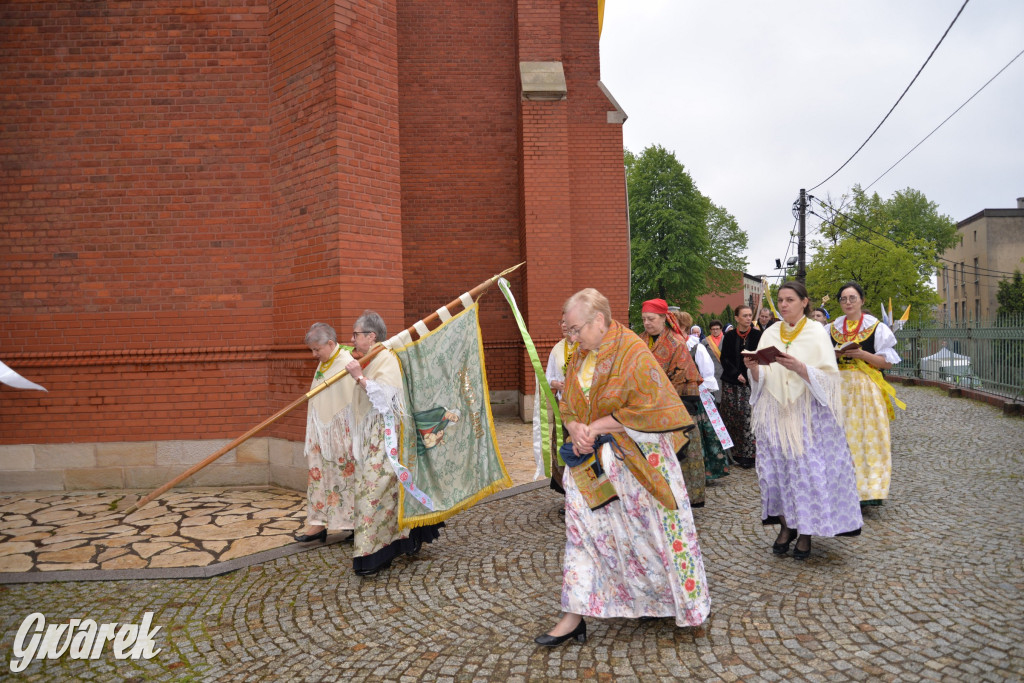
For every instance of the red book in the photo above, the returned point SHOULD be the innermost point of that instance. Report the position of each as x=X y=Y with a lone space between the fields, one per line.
x=765 y=356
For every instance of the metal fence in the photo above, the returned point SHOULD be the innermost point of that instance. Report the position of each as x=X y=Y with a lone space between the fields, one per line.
x=984 y=355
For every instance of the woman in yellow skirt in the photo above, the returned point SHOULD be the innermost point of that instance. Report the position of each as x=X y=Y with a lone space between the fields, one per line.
x=864 y=347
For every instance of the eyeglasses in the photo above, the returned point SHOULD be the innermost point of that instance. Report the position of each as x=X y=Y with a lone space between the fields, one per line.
x=575 y=330
x=849 y=299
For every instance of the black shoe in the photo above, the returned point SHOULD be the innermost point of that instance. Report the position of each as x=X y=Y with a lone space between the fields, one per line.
x=416 y=545
x=783 y=548
x=579 y=633
x=802 y=554
x=375 y=570
x=306 y=538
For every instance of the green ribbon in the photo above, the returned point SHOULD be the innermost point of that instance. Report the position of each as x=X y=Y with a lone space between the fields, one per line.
x=542 y=383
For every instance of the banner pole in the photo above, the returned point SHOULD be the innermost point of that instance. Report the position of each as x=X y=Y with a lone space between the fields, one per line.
x=452 y=307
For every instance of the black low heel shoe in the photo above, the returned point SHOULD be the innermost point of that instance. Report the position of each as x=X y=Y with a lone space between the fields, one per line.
x=802 y=554
x=374 y=570
x=579 y=633
x=306 y=538
x=783 y=548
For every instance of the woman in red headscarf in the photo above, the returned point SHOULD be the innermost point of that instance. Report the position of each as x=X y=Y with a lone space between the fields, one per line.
x=668 y=344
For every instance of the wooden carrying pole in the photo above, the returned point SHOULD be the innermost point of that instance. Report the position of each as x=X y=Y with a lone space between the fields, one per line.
x=364 y=361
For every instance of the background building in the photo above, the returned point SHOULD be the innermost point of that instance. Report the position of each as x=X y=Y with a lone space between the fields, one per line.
x=745 y=290
x=187 y=185
x=991 y=245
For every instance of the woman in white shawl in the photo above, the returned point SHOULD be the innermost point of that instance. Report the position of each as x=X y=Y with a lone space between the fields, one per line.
x=804 y=466
x=329 y=502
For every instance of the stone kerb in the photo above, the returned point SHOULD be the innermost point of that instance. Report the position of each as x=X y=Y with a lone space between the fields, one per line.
x=149 y=464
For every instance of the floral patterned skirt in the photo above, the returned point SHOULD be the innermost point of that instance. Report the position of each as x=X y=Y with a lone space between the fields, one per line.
x=716 y=462
x=692 y=465
x=328 y=489
x=632 y=557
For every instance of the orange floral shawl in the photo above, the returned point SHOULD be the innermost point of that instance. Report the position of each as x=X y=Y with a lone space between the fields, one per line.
x=629 y=385
x=670 y=352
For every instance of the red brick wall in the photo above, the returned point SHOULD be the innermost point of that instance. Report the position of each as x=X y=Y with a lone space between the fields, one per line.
x=134 y=197
x=335 y=165
x=186 y=186
x=600 y=233
x=458 y=93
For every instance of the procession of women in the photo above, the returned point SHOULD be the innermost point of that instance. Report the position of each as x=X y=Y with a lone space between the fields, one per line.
x=650 y=421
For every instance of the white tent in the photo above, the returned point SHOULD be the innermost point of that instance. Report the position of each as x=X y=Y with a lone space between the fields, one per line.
x=945 y=364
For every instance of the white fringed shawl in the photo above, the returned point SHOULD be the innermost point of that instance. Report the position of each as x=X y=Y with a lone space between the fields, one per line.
x=779 y=417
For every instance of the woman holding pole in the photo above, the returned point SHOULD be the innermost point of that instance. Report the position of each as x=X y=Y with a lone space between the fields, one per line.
x=373 y=431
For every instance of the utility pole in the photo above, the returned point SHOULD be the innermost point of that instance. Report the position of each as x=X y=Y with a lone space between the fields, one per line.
x=801 y=246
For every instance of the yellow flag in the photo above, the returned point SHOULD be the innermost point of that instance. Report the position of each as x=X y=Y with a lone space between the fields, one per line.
x=600 y=17
x=766 y=295
x=906 y=314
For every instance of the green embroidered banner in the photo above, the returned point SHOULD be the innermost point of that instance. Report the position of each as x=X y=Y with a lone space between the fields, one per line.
x=448 y=441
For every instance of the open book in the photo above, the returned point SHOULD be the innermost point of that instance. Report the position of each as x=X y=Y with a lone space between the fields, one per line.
x=765 y=356
x=848 y=346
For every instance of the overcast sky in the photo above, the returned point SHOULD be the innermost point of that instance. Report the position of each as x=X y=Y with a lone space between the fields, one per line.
x=759 y=98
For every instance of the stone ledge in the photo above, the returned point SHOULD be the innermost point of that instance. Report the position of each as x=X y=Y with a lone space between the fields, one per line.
x=1007 y=405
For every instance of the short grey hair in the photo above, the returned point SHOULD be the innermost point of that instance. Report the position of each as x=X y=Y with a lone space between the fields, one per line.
x=591 y=302
x=370 y=321
x=319 y=334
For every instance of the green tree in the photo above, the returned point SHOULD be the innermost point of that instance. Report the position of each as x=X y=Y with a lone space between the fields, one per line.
x=678 y=236
x=883 y=268
x=728 y=246
x=889 y=246
x=1010 y=297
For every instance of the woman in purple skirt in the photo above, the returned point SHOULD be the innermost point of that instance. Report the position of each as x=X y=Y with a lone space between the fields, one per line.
x=804 y=466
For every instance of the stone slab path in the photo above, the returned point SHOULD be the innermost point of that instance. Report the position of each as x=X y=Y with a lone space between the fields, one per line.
x=80 y=535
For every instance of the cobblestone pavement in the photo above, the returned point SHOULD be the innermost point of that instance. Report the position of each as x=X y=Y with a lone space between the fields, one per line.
x=931 y=591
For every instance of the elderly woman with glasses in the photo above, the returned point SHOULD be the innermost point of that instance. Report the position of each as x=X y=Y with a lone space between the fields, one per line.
x=372 y=431
x=328 y=504
x=864 y=347
x=631 y=546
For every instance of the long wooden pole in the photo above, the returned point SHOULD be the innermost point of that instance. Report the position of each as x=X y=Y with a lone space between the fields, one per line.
x=452 y=307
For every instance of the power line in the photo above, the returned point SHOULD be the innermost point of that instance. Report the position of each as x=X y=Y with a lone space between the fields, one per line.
x=897 y=101
x=890 y=238
x=946 y=119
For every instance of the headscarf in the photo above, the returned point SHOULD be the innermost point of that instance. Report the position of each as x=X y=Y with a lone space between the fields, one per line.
x=660 y=306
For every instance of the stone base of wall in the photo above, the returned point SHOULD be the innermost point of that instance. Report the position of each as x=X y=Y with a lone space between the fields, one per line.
x=150 y=464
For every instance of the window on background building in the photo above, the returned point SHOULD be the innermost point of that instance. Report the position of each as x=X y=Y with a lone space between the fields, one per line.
x=956 y=313
x=963 y=311
x=963 y=281
x=954 y=277
x=945 y=312
x=977 y=309
x=977 y=278
x=975 y=235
